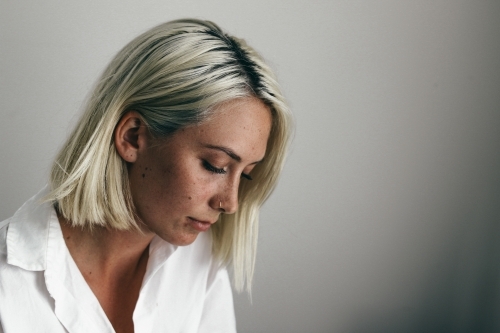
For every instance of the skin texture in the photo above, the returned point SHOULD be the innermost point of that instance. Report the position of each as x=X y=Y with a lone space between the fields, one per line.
x=191 y=175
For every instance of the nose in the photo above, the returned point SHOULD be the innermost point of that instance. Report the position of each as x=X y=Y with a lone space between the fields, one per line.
x=227 y=200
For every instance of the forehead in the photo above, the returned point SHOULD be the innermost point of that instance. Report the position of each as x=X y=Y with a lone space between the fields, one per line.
x=242 y=125
x=244 y=115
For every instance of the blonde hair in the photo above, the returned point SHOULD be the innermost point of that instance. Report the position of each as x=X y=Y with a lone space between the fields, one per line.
x=174 y=75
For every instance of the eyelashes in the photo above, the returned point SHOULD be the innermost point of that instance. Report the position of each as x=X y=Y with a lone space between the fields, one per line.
x=213 y=169
x=221 y=171
x=246 y=176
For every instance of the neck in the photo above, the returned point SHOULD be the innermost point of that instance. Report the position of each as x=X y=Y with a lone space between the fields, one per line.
x=106 y=252
x=113 y=264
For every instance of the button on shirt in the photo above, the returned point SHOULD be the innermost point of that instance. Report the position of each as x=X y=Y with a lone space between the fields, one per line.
x=42 y=290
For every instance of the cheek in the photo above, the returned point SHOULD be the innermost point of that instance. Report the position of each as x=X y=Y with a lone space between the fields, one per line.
x=195 y=189
x=179 y=184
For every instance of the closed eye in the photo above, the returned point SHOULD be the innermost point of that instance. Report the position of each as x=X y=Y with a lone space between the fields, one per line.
x=220 y=171
x=213 y=169
x=246 y=176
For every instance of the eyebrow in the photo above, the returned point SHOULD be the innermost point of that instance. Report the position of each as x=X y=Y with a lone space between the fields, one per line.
x=229 y=152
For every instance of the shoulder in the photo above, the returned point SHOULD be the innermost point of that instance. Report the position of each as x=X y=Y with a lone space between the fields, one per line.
x=22 y=290
x=4 y=226
x=17 y=284
x=22 y=240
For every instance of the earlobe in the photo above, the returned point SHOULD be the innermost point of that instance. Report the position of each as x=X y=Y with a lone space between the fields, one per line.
x=130 y=136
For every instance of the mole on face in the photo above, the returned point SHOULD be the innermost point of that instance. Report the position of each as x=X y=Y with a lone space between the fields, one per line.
x=144 y=174
x=190 y=198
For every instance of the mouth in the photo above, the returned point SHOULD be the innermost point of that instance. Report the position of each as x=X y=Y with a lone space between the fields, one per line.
x=198 y=225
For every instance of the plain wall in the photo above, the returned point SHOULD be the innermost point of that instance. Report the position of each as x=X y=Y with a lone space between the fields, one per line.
x=387 y=218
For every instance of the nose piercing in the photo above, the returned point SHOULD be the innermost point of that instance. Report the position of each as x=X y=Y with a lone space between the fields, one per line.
x=220 y=203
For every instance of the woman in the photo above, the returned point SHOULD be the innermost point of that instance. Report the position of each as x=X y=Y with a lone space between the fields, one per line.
x=156 y=191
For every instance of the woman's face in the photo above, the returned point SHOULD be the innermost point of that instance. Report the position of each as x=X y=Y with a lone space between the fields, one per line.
x=180 y=185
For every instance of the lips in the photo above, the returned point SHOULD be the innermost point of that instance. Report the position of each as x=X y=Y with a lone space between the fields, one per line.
x=199 y=225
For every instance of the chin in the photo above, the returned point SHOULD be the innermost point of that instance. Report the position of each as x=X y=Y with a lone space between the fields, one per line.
x=180 y=240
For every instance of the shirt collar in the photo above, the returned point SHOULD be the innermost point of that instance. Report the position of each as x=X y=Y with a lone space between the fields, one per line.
x=28 y=233
x=159 y=252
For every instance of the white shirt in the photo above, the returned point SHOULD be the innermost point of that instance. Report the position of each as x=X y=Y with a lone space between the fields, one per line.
x=42 y=290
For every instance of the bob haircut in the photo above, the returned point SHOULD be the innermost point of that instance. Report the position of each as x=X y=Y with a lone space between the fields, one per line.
x=174 y=75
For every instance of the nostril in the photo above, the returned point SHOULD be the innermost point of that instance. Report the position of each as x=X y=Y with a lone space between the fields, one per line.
x=220 y=206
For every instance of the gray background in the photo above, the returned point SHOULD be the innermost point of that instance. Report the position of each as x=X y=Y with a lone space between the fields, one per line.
x=387 y=216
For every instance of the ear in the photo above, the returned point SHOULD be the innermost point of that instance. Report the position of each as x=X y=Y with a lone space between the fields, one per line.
x=130 y=136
